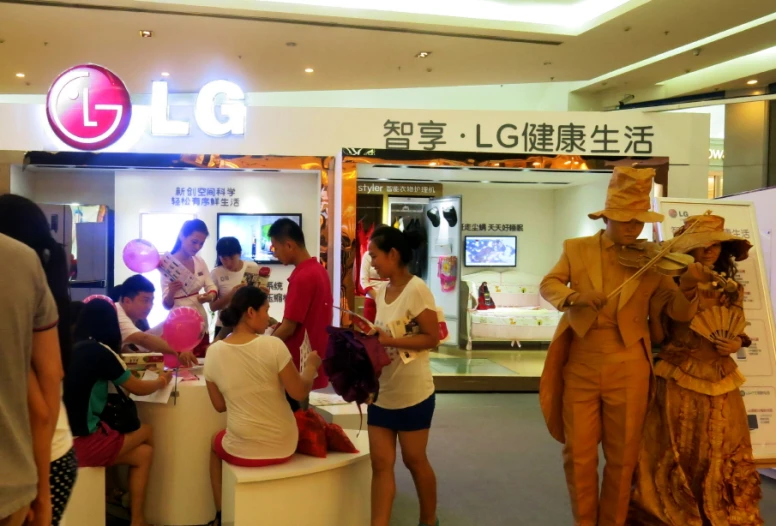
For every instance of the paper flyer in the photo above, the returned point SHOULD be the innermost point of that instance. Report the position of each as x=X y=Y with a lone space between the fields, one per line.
x=173 y=270
x=400 y=329
x=162 y=396
x=304 y=350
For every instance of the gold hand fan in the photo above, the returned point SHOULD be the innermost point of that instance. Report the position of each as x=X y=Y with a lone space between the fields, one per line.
x=719 y=322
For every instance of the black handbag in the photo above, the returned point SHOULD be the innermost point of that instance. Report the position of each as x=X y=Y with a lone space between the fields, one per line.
x=120 y=413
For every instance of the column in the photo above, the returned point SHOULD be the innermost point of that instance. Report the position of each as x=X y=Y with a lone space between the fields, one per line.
x=746 y=147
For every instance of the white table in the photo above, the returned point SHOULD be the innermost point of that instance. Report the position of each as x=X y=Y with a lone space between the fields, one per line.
x=179 y=492
x=345 y=416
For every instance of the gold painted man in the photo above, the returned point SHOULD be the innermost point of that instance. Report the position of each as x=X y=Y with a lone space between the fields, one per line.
x=596 y=381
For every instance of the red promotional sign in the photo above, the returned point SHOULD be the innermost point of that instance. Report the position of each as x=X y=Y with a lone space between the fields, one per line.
x=88 y=107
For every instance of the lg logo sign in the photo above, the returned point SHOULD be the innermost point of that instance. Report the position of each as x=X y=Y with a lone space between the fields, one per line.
x=89 y=108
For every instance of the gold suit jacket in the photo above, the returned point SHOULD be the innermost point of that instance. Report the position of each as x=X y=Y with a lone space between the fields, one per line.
x=580 y=270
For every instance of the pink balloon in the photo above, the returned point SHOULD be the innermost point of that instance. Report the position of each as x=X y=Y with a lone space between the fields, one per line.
x=141 y=256
x=99 y=297
x=183 y=329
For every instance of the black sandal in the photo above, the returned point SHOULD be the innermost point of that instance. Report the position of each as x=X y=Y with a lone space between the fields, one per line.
x=216 y=521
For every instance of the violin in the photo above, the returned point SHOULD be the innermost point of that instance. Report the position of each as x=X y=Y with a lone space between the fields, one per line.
x=643 y=252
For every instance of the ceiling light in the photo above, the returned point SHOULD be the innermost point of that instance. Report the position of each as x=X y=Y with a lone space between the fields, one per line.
x=146 y=33
x=308 y=70
x=750 y=82
x=423 y=54
x=20 y=75
x=165 y=73
x=484 y=182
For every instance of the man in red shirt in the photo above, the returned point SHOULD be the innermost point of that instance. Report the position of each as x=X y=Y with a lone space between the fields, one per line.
x=309 y=300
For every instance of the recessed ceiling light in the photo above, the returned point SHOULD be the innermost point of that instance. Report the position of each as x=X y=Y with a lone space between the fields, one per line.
x=752 y=82
x=20 y=75
x=484 y=182
x=146 y=33
x=423 y=54
x=308 y=70
x=165 y=73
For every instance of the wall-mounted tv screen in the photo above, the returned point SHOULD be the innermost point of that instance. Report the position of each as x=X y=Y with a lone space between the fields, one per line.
x=252 y=230
x=490 y=251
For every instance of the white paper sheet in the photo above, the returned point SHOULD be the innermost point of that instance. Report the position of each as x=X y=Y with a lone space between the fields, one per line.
x=162 y=396
x=322 y=399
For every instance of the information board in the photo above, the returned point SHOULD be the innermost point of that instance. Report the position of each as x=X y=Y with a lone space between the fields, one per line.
x=758 y=362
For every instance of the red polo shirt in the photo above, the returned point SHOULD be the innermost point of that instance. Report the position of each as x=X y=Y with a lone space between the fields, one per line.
x=309 y=303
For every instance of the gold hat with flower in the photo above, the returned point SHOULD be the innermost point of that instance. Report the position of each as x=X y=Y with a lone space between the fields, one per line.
x=627 y=197
x=710 y=229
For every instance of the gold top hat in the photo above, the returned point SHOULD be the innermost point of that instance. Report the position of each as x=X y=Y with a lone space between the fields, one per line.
x=627 y=197
x=710 y=229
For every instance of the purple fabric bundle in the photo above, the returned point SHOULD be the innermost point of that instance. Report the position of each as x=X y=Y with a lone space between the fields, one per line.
x=353 y=364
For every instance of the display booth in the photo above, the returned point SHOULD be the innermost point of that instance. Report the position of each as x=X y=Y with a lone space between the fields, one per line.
x=151 y=198
x=493 y=226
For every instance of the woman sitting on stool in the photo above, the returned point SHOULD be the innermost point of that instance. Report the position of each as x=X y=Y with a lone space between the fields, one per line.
x=247 y=376
x=93 y=365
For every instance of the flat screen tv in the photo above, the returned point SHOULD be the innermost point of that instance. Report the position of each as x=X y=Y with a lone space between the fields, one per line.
x=252 y=230
x=490 y=251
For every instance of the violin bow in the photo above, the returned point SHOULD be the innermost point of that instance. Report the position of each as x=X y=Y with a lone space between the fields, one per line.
x=665 y=250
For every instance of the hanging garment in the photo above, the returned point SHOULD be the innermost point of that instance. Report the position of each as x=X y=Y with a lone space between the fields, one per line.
x=362 y=244
x=353 y=364
x=419 y=263
x=451 y=216
x=447 y=272
x=484 y=301
x=433 y=216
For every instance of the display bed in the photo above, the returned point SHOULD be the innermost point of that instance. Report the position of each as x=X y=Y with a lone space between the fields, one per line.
x=521 y=314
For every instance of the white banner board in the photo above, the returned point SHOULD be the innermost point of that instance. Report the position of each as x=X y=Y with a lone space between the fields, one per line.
x=758 y=362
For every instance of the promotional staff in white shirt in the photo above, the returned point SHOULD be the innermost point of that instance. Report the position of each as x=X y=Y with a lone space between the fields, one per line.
x=230 y=274
x=136 y=299
x=405 y=403
x=190 y=241
x=247 y=376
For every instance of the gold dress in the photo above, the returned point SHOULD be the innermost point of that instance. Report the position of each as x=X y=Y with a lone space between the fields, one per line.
x=696 y=466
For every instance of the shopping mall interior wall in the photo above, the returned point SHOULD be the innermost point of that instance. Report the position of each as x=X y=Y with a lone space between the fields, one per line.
x=494 y=203
x=548 y=96
x=89 y=187
x=571 y=206
x=141 y=192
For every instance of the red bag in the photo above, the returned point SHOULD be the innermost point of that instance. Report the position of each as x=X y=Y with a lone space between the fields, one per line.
x=312 y=433
x=338 y=440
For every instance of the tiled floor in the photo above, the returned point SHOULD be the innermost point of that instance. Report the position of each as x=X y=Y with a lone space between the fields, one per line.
x=453 y=361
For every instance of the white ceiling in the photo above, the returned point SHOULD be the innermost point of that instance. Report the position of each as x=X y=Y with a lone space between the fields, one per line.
x=245 y=41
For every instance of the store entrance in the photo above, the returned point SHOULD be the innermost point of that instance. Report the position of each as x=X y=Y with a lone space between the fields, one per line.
x=492 y=234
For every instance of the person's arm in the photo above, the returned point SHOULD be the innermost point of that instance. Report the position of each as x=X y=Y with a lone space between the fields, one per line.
x=682 y=302
x=224 y=300
x=428 y=321
x=216 y=398
x=139 y=387
x=211 y=291
x=298 y=302
x=298 y=386
x=365 y=279
x=286 y=329
x=170 y=291
x=47 y=367
x=41 y=425
x=554 y=287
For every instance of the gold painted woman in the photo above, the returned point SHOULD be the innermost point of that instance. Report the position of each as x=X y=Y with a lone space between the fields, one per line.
x=696 y=466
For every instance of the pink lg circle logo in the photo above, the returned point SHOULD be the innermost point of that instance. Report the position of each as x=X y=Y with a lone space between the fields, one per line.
x=88 y=107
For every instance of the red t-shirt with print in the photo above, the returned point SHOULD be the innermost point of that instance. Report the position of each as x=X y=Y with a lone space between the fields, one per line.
x=309 y=303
